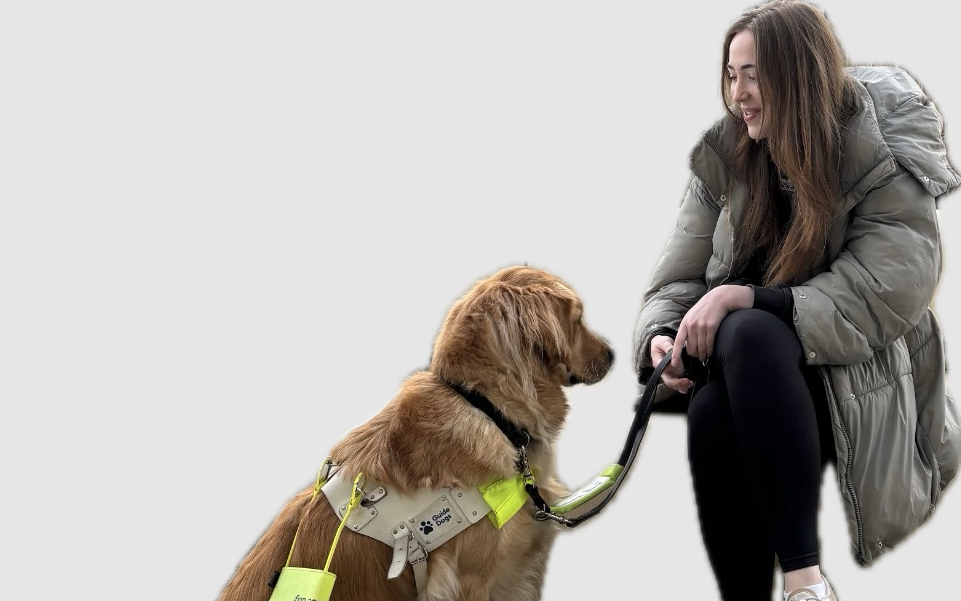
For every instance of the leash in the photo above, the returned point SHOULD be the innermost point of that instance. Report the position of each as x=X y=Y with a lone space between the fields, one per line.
x=588 y=499
x=586 y=502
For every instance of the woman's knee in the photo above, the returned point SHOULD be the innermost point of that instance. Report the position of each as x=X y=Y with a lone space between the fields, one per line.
x=755 y=333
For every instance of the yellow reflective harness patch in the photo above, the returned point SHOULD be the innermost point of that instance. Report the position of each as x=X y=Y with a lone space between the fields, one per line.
x=505 y=496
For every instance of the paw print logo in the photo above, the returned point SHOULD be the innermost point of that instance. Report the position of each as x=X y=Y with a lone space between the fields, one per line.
x=426 y=527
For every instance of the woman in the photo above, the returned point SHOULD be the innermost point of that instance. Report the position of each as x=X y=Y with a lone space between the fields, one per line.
x=798 y=281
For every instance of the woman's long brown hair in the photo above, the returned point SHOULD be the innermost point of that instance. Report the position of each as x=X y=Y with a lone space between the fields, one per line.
x=807 y=96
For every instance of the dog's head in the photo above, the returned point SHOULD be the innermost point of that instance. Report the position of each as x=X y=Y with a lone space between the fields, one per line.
x=517 y=329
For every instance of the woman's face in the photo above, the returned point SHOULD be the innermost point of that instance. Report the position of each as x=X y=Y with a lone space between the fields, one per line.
x=742 y=75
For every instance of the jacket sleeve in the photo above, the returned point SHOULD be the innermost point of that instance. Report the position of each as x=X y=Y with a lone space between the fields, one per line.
x=678 y=279
x=883 y=279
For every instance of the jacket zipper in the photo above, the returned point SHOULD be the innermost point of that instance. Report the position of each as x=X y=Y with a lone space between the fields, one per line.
x=732 y=269
x=847 y=472
x=731 y=273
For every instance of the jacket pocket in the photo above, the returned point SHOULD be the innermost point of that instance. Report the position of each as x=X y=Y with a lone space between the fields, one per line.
x=939 y=415
x=891 y=462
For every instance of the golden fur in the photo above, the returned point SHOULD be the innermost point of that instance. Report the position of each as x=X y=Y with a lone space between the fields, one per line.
x=518 y=338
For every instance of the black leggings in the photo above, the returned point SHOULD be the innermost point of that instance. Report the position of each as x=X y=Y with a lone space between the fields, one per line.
x=759 y=436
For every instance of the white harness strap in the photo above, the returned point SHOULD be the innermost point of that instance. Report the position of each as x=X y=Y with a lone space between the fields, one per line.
x=407 y=550
x=401 y=551
x=412 y=525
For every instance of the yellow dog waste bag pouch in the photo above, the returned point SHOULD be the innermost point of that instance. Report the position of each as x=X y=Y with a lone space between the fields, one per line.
x=309 y=584
x=303 y=584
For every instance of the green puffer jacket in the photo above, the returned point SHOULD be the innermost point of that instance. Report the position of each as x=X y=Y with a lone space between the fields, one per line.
x=863 y=314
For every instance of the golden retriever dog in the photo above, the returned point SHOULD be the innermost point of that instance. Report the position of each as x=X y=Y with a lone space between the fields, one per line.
x=518 y=338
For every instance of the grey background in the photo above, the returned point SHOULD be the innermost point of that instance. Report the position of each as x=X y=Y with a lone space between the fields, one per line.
x=230 y=230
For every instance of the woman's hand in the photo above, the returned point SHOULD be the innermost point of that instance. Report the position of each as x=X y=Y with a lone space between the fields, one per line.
x=672 y=376
x=700 y=324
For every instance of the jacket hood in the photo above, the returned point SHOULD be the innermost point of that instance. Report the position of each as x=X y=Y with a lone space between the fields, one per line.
x=909 y=125
x=898 y=121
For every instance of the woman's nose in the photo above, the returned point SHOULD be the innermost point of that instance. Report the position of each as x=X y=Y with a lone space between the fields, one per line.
x=738 y=90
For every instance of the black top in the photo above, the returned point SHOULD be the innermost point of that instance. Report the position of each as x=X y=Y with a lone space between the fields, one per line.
x=776 y=300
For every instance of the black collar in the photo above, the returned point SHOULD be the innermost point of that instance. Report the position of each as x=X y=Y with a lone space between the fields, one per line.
x=519 y=437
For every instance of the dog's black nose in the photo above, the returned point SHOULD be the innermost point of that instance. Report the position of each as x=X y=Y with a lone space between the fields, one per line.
x=610 y=355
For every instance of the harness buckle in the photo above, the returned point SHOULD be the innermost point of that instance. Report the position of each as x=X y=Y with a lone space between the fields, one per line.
x=417 y=555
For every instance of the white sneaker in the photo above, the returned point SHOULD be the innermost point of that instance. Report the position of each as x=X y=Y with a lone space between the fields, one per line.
x=806 y=594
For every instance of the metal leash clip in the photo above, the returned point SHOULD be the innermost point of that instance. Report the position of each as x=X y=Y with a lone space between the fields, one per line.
x=524 y=466
x=542 y=515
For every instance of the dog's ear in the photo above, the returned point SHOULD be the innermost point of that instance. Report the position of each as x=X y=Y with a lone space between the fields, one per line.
x=533 y=321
